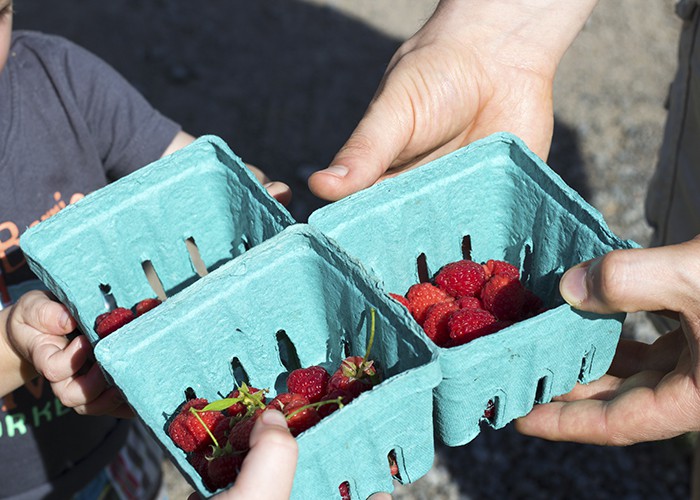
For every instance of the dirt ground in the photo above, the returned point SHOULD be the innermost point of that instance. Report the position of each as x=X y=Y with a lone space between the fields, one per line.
x=285 y=81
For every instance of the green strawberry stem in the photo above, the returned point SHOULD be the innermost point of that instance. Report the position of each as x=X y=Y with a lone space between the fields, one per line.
x=371 y=338
x=196 y=414
x=338 y=401
x=250 y=399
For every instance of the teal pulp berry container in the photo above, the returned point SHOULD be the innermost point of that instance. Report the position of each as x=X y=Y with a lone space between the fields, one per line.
x=295 y=300
x=493 y=199
x=197 y=207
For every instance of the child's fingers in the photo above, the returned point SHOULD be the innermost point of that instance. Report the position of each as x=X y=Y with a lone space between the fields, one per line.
x=279 y=191
x=55 y=358
x=78 y=390
x=36 y=310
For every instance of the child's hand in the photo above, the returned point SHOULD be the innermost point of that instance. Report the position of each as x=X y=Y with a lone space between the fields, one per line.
x=278 y=190
x=36 y=330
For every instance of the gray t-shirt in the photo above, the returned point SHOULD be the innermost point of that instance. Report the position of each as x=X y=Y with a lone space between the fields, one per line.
x=68 y=125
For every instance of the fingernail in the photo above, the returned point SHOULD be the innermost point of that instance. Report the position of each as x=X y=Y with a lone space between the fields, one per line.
x=64 y=320
x=337 y=170
x=573 y=285
x=273 y=417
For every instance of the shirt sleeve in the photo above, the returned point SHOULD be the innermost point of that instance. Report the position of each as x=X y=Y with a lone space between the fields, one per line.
x=128 y=131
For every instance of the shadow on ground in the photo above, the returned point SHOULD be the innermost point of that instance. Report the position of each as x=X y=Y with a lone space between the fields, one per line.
x=282 y=81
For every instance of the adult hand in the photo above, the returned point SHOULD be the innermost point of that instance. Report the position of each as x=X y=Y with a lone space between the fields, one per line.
x=35 y=342
x=475 y=68
x=651 y=392
x=273 y=454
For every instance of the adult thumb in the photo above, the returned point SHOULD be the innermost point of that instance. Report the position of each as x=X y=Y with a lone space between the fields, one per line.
x=373 y=146
x=653 y=279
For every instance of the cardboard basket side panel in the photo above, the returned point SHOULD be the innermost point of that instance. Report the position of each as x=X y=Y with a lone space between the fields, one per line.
x=202 y=193
x=382 y=422
x=522 y=212
x=529 y=363
x=293 y=282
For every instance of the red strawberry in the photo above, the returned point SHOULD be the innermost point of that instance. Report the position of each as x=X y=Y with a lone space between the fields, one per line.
x=490 y=410
x=533 y=305
x=283 y=399
x=400 y=299
x=464 y=277
x=301 y=417
x=223 y=470
x=504 y=297
x=113 y=321
x=146 y=305
x=423 y=295
x=199 y=462
x=435 y=324
x=470 y=303
x=99 y=319
x=355 y=375
x=327 y=409
x=191 y=433
x=297 y=421
x=500 y=267
x=311 y=382
x=468 y=324
x=393 y=466
x=239 y=436
x=344 y=489
x=222 y=430
x=250 y=399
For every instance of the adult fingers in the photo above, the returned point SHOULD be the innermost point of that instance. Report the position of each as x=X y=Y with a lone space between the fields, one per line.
x=654 y=279
x=657 y=408
x=632 y=356
x=376 y=142
x=273 y=453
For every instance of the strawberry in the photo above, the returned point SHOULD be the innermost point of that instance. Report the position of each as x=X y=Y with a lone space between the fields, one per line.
x=436 y=318
x=191 y=429
x=239 y=436
x=248 y=399
x=301 y=417
x=490 y=410
x=146 y=305
x=222 y=429
x=345 y=398
x=223 y=469
x=112 y=321
x=311 y=382
x=423 y=295
x=393 y=466
x=355 y=375
x=199 y=462
x=99 y=319
x=400 y=299
x=344 y=489
x=461 y=278
x=532 y=306
x=500 y=267
x=504 y=297
x=468 y=324
x=293 y=406
x=470 y=303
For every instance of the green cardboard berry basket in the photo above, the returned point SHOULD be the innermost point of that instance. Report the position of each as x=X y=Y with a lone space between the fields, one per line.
x=199 y=204
x=294 y=300
x=493 y=199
